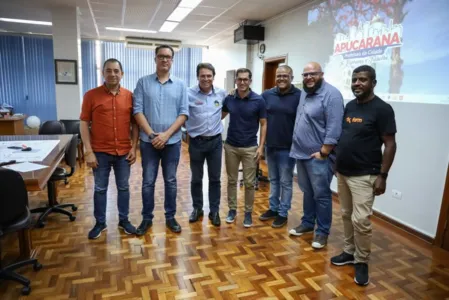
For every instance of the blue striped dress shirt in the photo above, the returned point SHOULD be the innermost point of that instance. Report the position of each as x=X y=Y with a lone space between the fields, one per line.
x=319 y=121
x=161 y=104
x=205 y=112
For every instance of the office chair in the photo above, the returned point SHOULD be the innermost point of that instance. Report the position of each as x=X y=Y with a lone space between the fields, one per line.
x=15 y=216
x=73 y=127
x=52 y=127
x=58 y=175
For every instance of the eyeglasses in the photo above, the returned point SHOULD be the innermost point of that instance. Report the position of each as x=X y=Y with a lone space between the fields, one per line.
x=242 y=79
x=311 y=74
x=164 y=57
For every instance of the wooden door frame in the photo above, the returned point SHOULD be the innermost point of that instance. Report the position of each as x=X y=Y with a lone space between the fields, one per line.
x=272 y=60
x=443 y=214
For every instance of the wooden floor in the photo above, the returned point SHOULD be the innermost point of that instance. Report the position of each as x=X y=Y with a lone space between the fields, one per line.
x=205 y=262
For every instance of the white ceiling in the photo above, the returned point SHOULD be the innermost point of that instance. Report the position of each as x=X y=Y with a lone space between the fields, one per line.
x=210 y=22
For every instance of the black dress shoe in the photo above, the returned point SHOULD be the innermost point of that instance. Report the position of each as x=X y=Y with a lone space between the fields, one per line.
x=215 y=219
x=143 y=227
x=173 y=225
x=195 y=215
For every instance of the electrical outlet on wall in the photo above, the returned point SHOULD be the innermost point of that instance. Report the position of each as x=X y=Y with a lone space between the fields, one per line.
x=396 y=194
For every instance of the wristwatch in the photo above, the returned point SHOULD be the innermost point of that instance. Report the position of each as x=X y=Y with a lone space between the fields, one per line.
x=384 y=175
x=151 y=136
x=323 y=155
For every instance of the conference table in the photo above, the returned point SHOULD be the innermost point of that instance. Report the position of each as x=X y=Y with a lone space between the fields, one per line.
x=37 y=180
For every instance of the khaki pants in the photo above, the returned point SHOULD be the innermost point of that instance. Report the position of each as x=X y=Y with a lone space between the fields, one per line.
x=233 y=157
x=356 y=196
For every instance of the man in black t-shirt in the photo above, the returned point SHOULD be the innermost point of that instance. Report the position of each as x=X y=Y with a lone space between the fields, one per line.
x=368 y=124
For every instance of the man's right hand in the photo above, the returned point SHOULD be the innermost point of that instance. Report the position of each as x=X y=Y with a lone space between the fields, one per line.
x=91 y=160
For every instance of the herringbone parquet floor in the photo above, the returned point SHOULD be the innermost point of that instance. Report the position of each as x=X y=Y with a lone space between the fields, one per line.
x=204 y=262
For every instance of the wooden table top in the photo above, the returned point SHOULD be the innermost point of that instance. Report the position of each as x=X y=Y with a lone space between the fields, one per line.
x=17 y=118
x=36 y=180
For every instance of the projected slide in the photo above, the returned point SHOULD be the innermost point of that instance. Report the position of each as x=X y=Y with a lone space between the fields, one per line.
x=406 y=41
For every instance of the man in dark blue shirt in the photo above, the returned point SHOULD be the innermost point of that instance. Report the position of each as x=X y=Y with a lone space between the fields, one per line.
x=246 y=110
x=281 y=103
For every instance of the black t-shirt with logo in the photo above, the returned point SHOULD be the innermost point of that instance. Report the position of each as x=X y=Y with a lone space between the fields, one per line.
x=359 y=150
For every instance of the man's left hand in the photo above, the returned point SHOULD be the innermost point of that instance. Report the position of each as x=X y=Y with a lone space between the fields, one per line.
x=317 y=155
x=259 y=153
x=131 y=158
x=380 y=185
x=160 y=140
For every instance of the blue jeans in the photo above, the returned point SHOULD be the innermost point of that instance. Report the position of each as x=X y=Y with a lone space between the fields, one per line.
x=211 y=151
x=101 y=175
x=314 y=178
x=169 y=158
x=280 y=172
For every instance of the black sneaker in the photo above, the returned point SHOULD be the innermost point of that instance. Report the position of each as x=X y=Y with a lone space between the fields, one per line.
x=342 y=259
x=279 y=222
x=96 y=231
x=361 y=274
x=231 y=216
x=300 y=230
x=248 y=221
x=269 y=214
x=127 y=227
x=319 y=241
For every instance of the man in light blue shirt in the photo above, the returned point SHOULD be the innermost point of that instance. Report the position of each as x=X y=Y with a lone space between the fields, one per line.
x=204 y=128
x=317 y=130
x=160 y=109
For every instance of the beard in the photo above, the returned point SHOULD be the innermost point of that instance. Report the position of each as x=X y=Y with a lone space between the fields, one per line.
x=313 y=89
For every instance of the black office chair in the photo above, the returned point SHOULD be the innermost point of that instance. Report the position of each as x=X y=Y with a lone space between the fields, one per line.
x=52 y=127
x=58 y=175
x=14 y=216
x=73 y=127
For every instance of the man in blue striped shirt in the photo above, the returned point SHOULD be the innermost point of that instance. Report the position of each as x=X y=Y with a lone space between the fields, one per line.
x=160 y=109
x=317 y=130
x=204 y=128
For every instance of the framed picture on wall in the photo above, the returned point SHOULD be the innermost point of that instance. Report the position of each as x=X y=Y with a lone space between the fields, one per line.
x=66 y=71
x=298 y=84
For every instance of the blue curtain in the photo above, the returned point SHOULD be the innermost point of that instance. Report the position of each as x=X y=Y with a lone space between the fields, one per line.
x=27 y=79
x=89 y=65
x=40 y=77
x=12 y=73
x=140 y=62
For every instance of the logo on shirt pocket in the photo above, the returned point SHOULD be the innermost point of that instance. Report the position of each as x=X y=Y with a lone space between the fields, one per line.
x=216 y=103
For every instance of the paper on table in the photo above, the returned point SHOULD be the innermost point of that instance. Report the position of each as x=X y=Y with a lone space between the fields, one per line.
x=25 y=167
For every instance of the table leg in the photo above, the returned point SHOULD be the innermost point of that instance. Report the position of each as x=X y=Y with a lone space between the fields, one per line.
x=26 y=248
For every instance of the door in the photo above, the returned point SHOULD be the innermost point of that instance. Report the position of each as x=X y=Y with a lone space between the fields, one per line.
x=442 y=238
x=269 y=73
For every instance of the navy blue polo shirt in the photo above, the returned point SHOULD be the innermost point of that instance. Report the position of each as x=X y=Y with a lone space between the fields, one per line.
x=281 y=116
x=244 y=115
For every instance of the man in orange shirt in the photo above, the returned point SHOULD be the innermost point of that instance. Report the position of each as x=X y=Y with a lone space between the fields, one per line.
x=107 y=110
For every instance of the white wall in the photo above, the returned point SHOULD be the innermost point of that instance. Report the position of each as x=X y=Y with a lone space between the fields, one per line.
x=225 y=56
x=421 y=162
x=67 y=45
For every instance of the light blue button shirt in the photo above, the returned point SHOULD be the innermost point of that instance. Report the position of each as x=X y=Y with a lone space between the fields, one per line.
x=205 y=112
x=319 y=120
x=161 y=104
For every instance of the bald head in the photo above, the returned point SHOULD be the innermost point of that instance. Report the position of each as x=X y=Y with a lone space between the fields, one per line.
x=313 y=67
x=312 y=77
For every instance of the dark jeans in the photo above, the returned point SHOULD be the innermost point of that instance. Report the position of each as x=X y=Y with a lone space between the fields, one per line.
x=101 y=175
x=211 y=151
x=314 y=178
x=169 y=158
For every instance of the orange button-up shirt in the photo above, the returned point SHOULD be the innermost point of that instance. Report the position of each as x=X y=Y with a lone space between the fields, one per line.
x=110 y=117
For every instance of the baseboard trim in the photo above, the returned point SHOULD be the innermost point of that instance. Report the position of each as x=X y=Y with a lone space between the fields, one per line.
x=395 y=223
